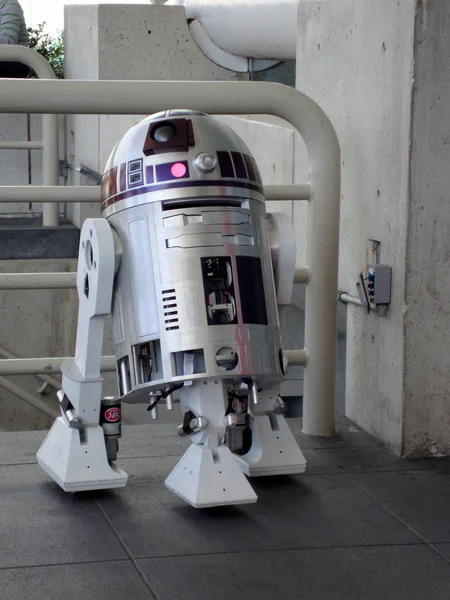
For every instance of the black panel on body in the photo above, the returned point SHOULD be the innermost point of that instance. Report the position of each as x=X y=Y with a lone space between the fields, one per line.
x=251 y=286
x=225 y=164
x=239 y=165
x=250 y=168
x=220 y=296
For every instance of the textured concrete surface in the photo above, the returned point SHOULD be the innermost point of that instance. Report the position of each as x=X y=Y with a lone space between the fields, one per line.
x=427 y=360
x=356 y=60
x=332 y=533
x=35 y=323
x=25 y=238
x=380 y=71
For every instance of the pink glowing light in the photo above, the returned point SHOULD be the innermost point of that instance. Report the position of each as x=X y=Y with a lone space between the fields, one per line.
x=178 y=170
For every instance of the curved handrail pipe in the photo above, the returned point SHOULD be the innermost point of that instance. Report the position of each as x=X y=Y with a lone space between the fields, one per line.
x=144 y=97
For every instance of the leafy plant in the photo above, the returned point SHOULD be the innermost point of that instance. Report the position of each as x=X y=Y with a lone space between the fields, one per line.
x=50 y=47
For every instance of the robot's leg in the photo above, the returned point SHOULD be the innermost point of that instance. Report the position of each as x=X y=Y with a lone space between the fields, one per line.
x=274 y=450
x=74 y=453
x=207 y=474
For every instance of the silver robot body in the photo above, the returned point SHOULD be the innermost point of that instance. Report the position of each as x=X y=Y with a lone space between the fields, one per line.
x=194 y=295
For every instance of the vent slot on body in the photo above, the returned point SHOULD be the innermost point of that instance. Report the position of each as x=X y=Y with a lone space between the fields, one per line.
x=170 y=308
x=192 y=203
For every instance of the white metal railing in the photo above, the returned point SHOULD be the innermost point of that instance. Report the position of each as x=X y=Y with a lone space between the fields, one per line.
x=144 y=97
x=90 y=193
x=49 y=142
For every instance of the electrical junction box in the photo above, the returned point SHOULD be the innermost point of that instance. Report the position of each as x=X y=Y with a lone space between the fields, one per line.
x=379 y=282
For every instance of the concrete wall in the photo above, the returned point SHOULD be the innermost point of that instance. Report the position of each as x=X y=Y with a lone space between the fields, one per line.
x=355 y=58
x=35 y=323
x=359 y=60
x=427 y=339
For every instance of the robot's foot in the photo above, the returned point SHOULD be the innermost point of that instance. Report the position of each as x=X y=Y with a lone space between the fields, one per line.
x=205 y=477
x=78 y=465
x=274 y=450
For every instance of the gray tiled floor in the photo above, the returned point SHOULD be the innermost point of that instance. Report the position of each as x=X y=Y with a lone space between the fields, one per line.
x=359 y=524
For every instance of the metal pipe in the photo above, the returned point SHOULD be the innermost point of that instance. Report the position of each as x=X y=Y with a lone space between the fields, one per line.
x=169 y=402
x=50 y=166
x=301 y=275
x=32 y=145
x=91 y=193
x=45 y=378
x=288 y=193
x=255 y=393
x=49 y=144
x=349 y=299
x=143 y=97
x=248 y=28
x=51 y=365
x=27 y=397
x=296 y=358
x=37 y=281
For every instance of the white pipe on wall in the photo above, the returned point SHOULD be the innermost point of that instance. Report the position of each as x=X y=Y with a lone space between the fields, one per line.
x=21 y=145
x=37 y=366
x=264 y=29
x=91 y=193
x=49 y=366
x=322 y=145
x=38 y=281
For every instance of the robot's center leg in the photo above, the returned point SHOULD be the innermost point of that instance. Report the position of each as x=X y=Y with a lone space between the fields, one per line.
x=207 y=474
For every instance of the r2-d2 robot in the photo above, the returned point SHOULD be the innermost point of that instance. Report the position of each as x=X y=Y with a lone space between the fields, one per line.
x=182 y=259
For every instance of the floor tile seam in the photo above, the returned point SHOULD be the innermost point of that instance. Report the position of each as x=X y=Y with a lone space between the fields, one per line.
x=388 y=510
x=149 y=456
x=278 y=550
x=127 y=551
x=66 y=564
x=34 y=462
x=20 y=464
x=433 y=547
x=407 y=470
x=325 y=458
x=350 y=471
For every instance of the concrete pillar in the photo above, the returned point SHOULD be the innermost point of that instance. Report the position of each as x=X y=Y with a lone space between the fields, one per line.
x=381 y=70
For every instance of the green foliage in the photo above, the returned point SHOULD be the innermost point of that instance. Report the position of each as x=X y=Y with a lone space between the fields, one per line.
x=50 y=47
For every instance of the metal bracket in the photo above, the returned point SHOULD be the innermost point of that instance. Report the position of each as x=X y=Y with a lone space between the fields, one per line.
x=65 y=166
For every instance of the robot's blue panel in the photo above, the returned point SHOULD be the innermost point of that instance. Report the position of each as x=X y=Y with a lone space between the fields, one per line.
x=149 y=175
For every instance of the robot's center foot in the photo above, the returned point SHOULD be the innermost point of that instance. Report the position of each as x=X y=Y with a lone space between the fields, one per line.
x=206 y=477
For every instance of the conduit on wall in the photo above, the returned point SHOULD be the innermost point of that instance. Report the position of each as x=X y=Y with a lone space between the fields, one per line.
x=243 y=35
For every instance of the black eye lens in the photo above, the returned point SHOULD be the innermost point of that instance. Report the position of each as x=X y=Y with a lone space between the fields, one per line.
x=164 y=132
